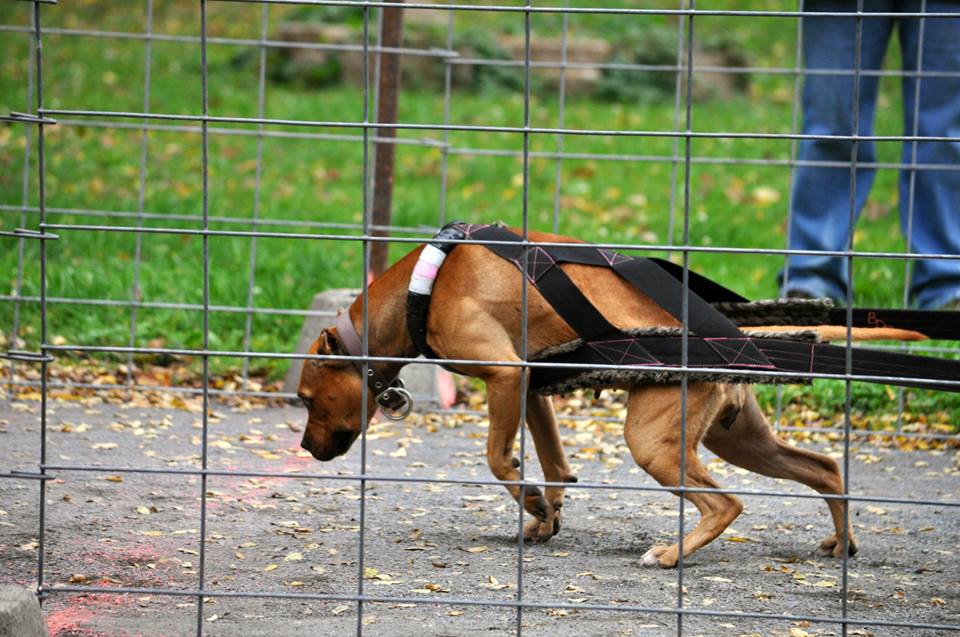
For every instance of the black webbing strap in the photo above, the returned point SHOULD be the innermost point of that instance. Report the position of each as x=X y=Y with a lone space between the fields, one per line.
x=644 y=274
x=418 y=305
x=667 y=292
x=707 y=289
x=553 y=283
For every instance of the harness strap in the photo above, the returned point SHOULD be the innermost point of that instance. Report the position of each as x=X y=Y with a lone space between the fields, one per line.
x=644 y=274
x=421 y=285
x=585 y=254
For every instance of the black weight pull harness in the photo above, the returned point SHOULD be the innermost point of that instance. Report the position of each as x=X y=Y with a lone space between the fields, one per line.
x=715 y=343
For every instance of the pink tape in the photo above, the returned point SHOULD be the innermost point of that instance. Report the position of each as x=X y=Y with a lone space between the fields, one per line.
x=426 y=270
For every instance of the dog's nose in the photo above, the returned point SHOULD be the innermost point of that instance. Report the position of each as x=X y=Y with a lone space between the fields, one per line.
x=306 y=445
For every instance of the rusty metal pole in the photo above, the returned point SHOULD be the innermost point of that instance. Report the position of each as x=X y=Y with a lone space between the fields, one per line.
x=391 y=35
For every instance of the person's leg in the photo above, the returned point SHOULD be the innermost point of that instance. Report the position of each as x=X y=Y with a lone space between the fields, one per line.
x=820 y=195
x=931 y=221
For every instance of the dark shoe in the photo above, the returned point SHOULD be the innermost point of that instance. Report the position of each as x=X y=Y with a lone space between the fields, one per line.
x=799 y=294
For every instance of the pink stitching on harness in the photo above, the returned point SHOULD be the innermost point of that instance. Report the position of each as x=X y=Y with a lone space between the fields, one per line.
x=426 y=270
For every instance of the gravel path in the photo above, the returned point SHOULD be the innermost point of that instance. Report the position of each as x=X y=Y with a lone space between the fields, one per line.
x=435 y=541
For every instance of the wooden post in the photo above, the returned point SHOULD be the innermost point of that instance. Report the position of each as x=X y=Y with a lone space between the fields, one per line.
x=391 y=36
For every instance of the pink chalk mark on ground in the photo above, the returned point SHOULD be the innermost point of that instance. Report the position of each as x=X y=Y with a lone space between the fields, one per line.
x=79 y=610
x=73 y=614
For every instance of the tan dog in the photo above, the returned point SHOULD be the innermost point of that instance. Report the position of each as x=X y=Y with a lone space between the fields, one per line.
x=475 y=314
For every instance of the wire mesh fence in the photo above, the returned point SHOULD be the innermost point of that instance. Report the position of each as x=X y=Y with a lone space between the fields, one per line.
x=211 y=155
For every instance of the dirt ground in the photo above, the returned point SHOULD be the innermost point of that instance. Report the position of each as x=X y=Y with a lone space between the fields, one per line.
x=428 y=542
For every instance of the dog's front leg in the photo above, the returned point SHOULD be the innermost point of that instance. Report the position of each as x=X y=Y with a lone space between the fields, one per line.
x=503 y=395
x=546 y=436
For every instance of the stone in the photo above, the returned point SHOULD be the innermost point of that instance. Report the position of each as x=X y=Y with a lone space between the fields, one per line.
x=550 y=49
x=20 y=614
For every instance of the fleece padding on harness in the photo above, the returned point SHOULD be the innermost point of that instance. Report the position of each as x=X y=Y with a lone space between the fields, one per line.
x=574 y=379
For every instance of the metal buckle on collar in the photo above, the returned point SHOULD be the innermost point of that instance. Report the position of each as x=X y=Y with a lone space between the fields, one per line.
x=395 y=402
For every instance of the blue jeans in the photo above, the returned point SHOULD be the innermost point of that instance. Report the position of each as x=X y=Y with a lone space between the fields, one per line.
x=929 y=199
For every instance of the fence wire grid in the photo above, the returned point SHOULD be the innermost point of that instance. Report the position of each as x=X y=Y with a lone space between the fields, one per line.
x=31 y=225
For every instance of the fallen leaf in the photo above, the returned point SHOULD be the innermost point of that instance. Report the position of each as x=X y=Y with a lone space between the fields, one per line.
x=494 y=584
x=765 y=195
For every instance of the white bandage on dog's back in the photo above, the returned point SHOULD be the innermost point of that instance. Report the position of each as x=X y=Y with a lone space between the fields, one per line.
x=425 y=272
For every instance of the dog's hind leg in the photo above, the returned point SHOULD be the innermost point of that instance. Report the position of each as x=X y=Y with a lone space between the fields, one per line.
x=546 y=436
x=504 y=401
x=653 y=433
x=750 y=443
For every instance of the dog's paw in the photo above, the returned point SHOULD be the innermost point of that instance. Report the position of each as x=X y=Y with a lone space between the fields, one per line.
x=661 y=556
x=535 y=504
x=832 y=546
x=537 y=530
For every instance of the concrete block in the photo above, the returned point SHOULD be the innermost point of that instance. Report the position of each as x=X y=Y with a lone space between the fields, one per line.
x=428 y=384
x=20 y=614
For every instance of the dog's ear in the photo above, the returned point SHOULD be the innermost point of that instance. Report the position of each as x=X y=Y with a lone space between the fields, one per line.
x=327 y=343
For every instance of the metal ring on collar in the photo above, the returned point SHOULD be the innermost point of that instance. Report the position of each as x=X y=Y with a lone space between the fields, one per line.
x=388 y=403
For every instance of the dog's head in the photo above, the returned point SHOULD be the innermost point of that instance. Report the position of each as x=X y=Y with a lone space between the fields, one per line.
x=332 y=393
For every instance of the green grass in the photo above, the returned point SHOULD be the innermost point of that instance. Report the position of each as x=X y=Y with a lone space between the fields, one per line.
x=308 y=180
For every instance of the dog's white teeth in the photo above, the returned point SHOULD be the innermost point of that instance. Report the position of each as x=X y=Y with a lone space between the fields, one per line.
x=649 y=559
